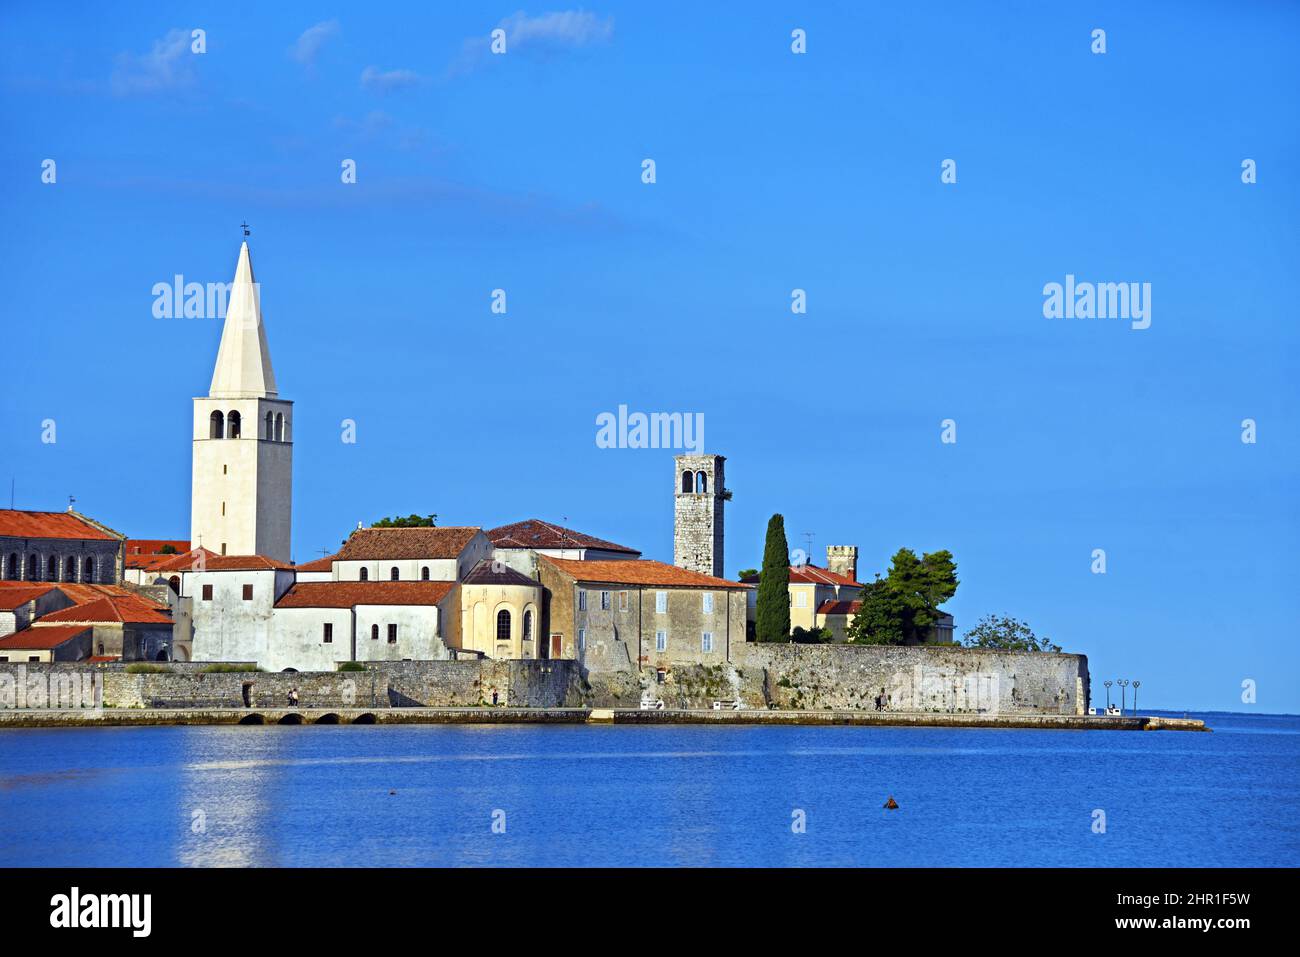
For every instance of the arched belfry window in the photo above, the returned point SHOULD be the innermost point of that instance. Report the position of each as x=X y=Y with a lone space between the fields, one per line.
x=216 y=426
x=503 y=625
x=279 y=426
x=270 y=426
x=11 y=567
x=52 y=569
x=701 y=482
x=393 y=574
x=232 y=425
x=687 y=480
x=31 y=568
x=70 y=570
x=88 y=572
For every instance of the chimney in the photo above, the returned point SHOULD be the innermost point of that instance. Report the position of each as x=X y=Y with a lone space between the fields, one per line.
x=843 y=560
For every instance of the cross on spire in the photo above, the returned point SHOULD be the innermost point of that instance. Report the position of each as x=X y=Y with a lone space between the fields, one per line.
x=244 y=227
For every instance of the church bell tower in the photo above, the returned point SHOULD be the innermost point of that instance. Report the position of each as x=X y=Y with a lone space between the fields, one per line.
x=243 y=439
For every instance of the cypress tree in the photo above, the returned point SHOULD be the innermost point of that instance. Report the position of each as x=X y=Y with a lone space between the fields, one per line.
x=773 y=614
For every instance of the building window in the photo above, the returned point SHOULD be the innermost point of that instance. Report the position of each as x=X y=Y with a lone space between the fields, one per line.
x=329 y=633
x=528 y=626
x=11 y=568
x=374 y=632
x=52 y=569
x=248 y=593
x=424 y=573
x=708 y=603
x=392 y=634
x=688 y=480
x=207 y=593
x=582 y=599
x=365 y=574
x=232 y=425
x=279 y=426
x=582 y=640
x=174 y=583
x=801 y=600
x=393 y=574
x=70 y=570
x=604 y=601
x=622 y=601
x=706 y=642
x=701 y=482
x=661 y=603
x=88 y=572
x=31 y=568
x=661 y=641
x=216 y=426
x=503 y=625
x=101 y=647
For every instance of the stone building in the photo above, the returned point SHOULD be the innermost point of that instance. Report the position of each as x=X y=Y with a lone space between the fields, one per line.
x=58 y=547
x=241 y=495
x=698 y=503
x=411 y=554
x=232 y=601
x=47 y=622
x=519 y=544
x=50 y=644
x=123 y=626
x=630 y=615
x=500 y=613
x=317 y=625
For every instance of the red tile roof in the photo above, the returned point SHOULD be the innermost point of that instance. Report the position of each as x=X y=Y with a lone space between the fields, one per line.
x=183 y=562
x=812 y=575
x=389 y=543
x=839 y=607
x=130 y=609
x=534 y=533
x=325 y=564
x=154 y=546
x=638 y=571
x=242 y=563
x=36 y=639
x=14 y=594
x=17 y=523
x=349 y=594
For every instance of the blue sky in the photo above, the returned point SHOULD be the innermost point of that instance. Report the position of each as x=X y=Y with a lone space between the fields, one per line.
x=774 y=171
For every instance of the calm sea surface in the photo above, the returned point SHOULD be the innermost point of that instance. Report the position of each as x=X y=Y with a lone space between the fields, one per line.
x=666 y=795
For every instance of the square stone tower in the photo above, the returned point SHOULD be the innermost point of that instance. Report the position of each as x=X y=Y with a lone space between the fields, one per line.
x=843 y=560
x=697 y=522
x=241 y=498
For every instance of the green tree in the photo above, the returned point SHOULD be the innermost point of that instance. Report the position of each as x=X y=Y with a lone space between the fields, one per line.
x=812 y=636
x=773 y=611
x=747 y=573
x=411 y=521
x=1006 y=634
x=901 y=608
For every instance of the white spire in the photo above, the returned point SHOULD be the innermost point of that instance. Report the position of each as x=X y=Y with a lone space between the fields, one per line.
x=243 y=362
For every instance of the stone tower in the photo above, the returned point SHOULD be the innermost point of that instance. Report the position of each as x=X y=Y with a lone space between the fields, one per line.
x=842 y=559
x=697 y=526
x=243 y=439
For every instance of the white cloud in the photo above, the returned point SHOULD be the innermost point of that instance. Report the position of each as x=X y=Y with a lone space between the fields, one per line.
x=547 y=33
x=386 y=81
x=313 y=38
x=167 y=66
x=565 y=28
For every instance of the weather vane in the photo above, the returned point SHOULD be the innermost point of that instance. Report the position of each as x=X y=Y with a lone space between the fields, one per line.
x=244 y=226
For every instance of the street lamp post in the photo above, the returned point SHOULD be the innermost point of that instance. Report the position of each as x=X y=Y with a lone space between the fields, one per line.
x=1108 y=683
x=1123 y=683
x=1136 y=684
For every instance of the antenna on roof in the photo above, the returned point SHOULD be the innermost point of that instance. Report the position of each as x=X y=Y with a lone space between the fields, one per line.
x=71 y=499
x=809 y=536
x=11 y=493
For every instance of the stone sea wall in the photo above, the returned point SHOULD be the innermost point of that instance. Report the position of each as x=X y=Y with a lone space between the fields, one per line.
x=790 y=677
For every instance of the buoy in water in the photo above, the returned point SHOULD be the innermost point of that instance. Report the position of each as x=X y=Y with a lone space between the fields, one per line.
x=891 y=804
